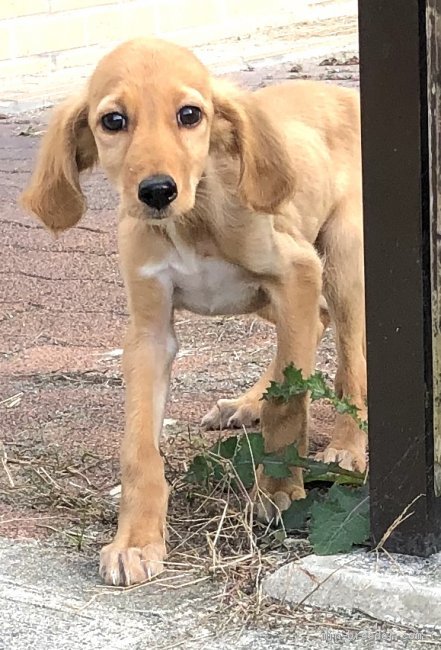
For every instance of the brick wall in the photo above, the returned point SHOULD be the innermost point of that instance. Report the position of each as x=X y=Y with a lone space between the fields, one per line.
x=43 y=37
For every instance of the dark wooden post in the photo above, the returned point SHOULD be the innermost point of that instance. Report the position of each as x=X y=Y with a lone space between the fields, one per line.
x=400 y=91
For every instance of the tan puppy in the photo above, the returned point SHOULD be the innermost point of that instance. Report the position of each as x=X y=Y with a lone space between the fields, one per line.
x=231 y=202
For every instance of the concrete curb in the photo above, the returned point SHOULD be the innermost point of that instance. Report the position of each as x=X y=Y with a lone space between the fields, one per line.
x=394 y=589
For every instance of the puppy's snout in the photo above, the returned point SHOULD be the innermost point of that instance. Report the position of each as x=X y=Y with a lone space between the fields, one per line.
x=157 y=191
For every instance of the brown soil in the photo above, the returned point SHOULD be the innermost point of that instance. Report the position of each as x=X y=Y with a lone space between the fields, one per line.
x=62 y=307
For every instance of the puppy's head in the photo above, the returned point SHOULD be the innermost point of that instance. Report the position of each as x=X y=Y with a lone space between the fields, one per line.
x=151 y=114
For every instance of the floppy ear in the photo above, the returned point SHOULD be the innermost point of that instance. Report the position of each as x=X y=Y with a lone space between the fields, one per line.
x=68 y=147
x=242 y=128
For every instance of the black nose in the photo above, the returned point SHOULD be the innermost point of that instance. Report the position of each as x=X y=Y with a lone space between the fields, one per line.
x=157 y=191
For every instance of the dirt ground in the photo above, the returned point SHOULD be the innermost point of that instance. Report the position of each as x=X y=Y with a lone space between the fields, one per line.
x=62 y=310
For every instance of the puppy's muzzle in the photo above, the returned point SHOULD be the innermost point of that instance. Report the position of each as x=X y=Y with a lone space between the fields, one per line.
x=157 y=191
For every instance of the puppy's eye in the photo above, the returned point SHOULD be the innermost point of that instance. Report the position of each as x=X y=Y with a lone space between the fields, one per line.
x=189 y=116
x=114 y=121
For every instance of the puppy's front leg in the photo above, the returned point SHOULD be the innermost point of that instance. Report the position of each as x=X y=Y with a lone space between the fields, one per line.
x=295 y=299
x=138 y=550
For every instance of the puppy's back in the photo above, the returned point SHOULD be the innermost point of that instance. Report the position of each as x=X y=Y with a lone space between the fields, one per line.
x=332 y=110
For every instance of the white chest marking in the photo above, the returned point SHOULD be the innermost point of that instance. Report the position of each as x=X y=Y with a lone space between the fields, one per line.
x=206 y=285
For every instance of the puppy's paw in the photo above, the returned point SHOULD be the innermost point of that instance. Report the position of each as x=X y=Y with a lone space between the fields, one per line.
x=232 y=414
x=272 y=496
x=269 y=508
x=351 y=458
x=129 y=566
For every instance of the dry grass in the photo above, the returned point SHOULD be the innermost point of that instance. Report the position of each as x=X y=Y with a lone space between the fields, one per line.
x=68 y=491
x=213 y=537
x=213 y=534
